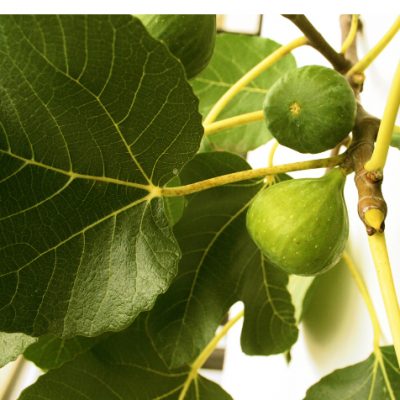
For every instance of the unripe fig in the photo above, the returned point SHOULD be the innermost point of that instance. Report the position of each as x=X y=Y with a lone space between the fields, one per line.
x=310 y=109
x=189 y=37
x=301 y=225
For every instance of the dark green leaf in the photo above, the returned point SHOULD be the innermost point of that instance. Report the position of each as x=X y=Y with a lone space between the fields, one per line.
x=125 y=367
x=50 y=352
x=93 y=113
x=220 y=265
x=233 y=56
x=12 y=345
x=365 y=380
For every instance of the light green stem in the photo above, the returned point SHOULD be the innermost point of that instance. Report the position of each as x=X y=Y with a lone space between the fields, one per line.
x=251 y=75
x=249 y=174
x=205 y=354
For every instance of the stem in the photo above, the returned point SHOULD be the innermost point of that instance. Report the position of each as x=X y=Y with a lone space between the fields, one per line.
x=363 y=64
x=373 y=316
x=233 y=122
x=378 y=159
x=380 y=256
x=272 y=152
x=14 y=378
x=374 y=218
x=358 y=279
x=251 y=75
x=205 y=354
x=249 y=174
x=317 y=41
x=352 y=34
x=270 y=179
x=369 y=185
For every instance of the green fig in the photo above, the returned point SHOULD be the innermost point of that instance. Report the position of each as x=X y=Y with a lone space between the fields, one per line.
x=301 y=225
x=189 y=37
x=310 y=109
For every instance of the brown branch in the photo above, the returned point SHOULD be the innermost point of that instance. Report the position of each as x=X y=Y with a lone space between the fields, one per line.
x=360 y=151
x=366 y=126
x=338 y=61
x=364 y=135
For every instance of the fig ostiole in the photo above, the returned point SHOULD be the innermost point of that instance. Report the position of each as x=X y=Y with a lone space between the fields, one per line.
x=301 y=225
x=310 y=109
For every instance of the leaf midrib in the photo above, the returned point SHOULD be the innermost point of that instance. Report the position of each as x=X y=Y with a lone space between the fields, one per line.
x=198 y=268
x=76 y=175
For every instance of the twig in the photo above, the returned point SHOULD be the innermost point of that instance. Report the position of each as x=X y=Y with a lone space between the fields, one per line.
x=316 y=40
x=360 y=151
x=368 y=185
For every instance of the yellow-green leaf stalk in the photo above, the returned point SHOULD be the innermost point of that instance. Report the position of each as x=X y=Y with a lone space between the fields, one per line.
x=364 y=63
x=251 y=75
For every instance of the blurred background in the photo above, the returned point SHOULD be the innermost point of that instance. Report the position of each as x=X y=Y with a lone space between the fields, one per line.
x=335 y=331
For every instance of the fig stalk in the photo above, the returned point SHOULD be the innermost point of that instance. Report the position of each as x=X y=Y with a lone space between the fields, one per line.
x=251 y=75
x=365 y=62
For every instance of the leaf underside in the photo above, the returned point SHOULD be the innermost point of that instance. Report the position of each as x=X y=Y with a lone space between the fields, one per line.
x=93 y=112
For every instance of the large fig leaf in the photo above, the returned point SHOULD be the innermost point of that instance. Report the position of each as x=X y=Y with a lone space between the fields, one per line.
x=125 y=367
x=220 y=265
x=12 y=345
x=93 y=113
x=368 y=379
x=233 y=56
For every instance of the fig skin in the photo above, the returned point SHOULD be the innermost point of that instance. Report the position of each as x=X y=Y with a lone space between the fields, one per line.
x=310 y=109
x=301 y=225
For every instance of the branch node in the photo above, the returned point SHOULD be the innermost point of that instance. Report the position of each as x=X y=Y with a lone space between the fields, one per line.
x=374 y=176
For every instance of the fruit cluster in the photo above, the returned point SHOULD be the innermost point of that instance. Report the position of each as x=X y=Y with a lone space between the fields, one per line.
x=301 y=225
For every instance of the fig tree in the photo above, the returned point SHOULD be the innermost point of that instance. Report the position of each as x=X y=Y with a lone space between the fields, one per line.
x=189 y=37
x=301 y=225
x=310 y=109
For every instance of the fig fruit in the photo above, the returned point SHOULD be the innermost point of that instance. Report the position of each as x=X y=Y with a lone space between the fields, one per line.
x=189 y=37
x=310 y=109
x=301 y=225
